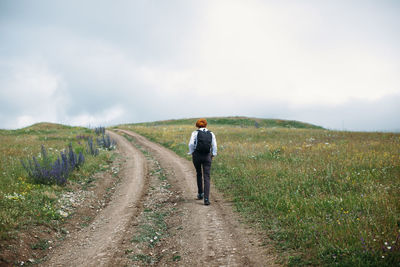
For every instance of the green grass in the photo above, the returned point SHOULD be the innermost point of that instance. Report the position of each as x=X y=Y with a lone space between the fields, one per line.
x=324 y=197
x=24 y=203
x=42 y=244
x=153 y=229
x=176 y=258
x=146 y=259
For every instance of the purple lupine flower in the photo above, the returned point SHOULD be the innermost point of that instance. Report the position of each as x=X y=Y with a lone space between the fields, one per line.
x=106 y=142
x=72 y=160
x=47 y=172
x=91 y=148
x=81 y=159
x=363 y=244
x=100 y=130
x=64 y=164
x=56 y=170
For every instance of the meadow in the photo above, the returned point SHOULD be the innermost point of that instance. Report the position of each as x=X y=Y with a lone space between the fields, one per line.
x=324 y=197
x=24 y=202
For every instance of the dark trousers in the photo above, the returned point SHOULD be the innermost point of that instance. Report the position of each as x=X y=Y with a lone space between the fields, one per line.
x=202 y=163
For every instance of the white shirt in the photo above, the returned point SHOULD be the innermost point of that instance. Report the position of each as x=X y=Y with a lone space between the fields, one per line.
x=193 y=142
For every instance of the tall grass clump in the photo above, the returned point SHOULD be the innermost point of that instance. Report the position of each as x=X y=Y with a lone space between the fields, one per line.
x=46 y=171
x=324 y=197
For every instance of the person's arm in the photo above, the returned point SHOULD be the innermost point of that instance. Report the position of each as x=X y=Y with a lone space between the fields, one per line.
x=214 y=145
x=192 y=143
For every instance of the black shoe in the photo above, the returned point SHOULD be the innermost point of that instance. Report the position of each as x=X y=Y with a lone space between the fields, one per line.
x=200 y=196
x=206 y=202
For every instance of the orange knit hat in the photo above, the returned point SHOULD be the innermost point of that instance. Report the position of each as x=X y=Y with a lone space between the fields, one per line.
x=201 y=123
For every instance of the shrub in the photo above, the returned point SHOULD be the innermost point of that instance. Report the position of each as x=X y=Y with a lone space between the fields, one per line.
x=45 y=171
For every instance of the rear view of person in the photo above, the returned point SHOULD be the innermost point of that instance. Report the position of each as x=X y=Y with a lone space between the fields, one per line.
x=203 y=147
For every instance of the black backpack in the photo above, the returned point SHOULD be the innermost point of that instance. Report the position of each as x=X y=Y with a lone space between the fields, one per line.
x=204 y=139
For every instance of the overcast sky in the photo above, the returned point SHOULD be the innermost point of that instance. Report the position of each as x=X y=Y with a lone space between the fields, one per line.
x=332 y=63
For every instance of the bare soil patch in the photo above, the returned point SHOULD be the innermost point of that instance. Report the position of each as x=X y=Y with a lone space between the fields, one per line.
x=150 y=238
x=96 y=244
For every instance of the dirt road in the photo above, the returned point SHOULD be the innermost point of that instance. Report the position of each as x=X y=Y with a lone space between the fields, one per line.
x=95 y=245
x=196 y=235
x=211 y=235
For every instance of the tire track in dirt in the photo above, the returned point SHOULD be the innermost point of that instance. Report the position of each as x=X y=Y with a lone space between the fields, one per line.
x=211 y=235
x=96 y=244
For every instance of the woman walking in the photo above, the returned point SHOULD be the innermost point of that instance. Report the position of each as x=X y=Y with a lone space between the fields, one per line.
x=203 y=147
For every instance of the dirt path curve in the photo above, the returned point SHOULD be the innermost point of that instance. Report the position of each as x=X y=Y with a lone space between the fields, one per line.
x=211 y=235
x=95 y=245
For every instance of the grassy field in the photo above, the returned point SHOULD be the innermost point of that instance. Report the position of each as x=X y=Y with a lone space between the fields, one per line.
x=239 y=121
x=324 y=197
x=25 y=203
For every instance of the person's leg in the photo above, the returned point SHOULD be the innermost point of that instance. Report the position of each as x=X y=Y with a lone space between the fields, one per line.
x=206 y=174
x=197 y=165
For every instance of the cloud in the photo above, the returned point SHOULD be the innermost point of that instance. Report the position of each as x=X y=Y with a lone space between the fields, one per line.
x=356 y=115
x=250 y=48
x=30 y=92
x=141 y=61
x=106 y=117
